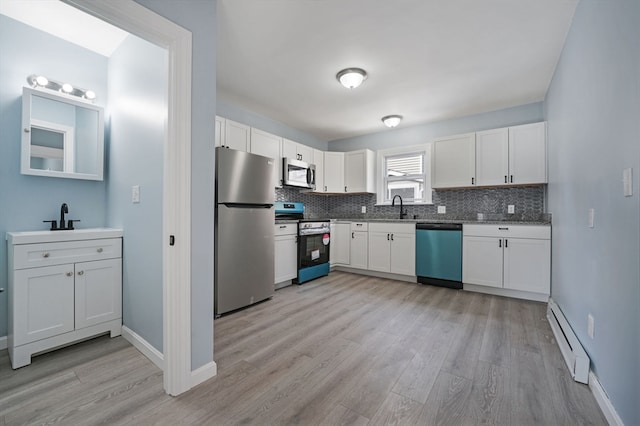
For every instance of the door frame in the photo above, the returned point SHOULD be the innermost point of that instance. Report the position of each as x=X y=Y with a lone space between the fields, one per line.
x=176 y=211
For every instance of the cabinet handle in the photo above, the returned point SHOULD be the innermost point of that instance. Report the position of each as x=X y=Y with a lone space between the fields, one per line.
x=45 y=255
x=99 y=250
x=69 y=274
x=391 y=237
x=473 y=180
x=503 y=229
x=80 y=272
x=506 y=243
x=505 y=179
x=325 y=188
x=511 y=178
x=283 y=226
x=358 y=224
x=500 y=243
x=345 y=189
x=353 y=235
x=388 y=237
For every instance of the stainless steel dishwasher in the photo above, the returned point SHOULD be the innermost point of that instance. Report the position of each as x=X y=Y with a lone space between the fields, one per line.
x=439 y=254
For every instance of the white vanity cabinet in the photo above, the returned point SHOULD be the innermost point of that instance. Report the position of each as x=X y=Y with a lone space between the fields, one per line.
x=64 y=286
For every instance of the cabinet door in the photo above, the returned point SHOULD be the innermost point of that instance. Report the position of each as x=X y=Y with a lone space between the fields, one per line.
x=492 y=157
x=318 y=160
x=528 y=154
x=340 y=244
x=286 y=258
x=98 y=292
x=403 y=254
x=482 y=261
x=359 y=249
x=237 y=135
x=219 y=131
x=289 y=149
x=454 y=161
x=333 y=172
x=527 y=265
x=380 y=251
x=268 y=145
x=305 y=153
x=43 y=303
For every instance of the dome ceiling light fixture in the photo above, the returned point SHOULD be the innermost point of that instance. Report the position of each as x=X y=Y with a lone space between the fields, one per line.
x=351 y=77
x=391 y=120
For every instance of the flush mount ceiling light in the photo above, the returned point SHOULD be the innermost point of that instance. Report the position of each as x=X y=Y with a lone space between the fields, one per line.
x=351 y=77
x=391 y=120
x=42 y=82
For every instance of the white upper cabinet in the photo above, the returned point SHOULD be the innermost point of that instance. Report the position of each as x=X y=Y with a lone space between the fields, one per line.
x=236 y=135
x=268 y=145
x=528 y=154
x=297 y=151
x=492 y=157
x=454 y=161
x=334 y=172
x=318 y=160
x=359 y=172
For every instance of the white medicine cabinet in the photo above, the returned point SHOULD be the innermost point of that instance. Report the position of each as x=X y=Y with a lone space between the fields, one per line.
x=61 y=136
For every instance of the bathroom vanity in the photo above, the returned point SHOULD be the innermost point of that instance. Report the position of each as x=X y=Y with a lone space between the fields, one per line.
x=64 y=286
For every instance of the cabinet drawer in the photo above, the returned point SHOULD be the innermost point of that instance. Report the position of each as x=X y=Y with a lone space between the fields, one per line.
x=286 y=229
x=541 y=232
x=47 y=254
x=393 y=227
x=359 y=226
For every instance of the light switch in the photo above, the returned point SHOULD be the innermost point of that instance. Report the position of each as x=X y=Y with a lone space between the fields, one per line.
x=135 y=194
x=592 y=215
x=442 y=209
x=627 y=182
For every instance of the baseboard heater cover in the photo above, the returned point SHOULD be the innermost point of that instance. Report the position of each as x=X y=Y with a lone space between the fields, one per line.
x=574 y=355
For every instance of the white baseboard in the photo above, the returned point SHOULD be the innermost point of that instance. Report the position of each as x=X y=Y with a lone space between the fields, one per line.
x=203 y=373
x=603 y=401
x=144 y=347
x=3 y=342
x=505 y=292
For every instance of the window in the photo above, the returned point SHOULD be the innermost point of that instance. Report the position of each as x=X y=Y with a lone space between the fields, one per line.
x=405 y=172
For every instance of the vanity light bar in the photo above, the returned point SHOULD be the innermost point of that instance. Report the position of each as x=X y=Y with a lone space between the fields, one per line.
x=56 y=86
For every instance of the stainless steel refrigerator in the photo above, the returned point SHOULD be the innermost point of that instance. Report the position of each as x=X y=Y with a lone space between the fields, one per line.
x=244 y=229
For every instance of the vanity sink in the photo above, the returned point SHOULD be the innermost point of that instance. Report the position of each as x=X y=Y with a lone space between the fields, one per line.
x=31 y=237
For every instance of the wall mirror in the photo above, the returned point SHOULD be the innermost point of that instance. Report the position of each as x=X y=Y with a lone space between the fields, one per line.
x=61 y=136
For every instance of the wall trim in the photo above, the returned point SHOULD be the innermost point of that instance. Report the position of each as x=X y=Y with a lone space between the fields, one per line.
x=203 y=373
x=146 y=348
x=3 y=342
x=176 y=211
x=603 y=401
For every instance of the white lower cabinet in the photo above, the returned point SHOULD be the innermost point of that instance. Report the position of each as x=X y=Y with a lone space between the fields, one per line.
x=340 y=249
x=62 y=291
x=515 y=257
x=359 y=247
x=286 y=254
x=392 y=248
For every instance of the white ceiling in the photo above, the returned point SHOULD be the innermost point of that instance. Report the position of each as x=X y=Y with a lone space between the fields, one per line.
x=427 y=60
x=66 y=22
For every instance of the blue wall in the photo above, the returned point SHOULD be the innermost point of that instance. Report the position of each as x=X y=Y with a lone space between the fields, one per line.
x=593 y=113
x=252 y=119
x=25 y=201
x=137 y=106
x=407 y=136
x=199 y=17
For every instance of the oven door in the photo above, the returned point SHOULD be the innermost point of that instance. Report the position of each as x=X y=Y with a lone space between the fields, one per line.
x=313 y=250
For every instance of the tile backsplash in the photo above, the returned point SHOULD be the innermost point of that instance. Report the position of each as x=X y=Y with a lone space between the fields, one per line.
x=529 y=202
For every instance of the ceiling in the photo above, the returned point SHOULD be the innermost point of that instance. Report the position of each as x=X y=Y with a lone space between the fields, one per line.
x=427 y=60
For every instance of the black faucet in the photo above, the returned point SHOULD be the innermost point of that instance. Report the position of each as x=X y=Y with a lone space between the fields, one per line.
x=64 y=208
x=403 y=214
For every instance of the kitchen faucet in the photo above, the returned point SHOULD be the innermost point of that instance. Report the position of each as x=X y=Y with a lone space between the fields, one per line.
x=63 y=209
x=403 y=214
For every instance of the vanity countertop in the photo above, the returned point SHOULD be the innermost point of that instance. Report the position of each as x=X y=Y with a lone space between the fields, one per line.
x=34 y=237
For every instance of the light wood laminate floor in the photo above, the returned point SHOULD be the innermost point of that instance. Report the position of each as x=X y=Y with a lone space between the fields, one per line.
x=343 y=349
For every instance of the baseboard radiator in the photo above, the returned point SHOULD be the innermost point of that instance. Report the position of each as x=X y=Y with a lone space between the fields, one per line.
x=574 y=355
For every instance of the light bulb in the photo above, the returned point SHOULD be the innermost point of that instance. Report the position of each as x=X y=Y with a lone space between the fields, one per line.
x=90 y=94
x=42 y=80
x=67 y=88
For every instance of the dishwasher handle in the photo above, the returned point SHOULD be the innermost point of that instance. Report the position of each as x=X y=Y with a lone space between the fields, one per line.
x=439 y=226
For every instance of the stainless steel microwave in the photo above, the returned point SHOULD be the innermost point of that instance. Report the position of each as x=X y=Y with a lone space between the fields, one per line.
x=298 y=173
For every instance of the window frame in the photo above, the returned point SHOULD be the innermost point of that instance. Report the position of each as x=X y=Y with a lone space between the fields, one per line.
x=381 y=186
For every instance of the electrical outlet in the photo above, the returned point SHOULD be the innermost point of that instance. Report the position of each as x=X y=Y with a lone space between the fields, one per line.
x=511 y=209
x=442 y=209
x=591 y=324
x=364 y=209
x=135 y=194
x=592 y=217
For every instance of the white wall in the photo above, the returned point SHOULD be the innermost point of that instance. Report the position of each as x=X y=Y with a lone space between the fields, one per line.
x=137 y=112
x=593 y=113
